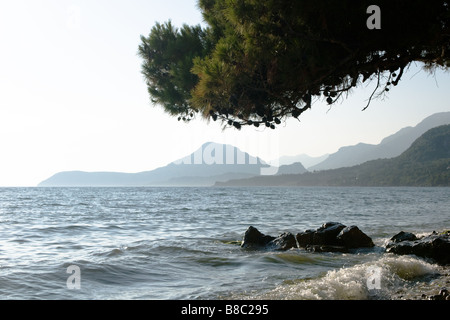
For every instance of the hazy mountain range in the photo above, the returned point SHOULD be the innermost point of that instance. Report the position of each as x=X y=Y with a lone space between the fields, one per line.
x=425 y=163
x=390 y=147
x=213 y=163
x=306 y=160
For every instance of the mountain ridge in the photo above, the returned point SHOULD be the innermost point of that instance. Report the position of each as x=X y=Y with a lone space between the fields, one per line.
x=214 y=162
x=390 y=147
x=425 y=163
x=210 y=163
x=306 y=160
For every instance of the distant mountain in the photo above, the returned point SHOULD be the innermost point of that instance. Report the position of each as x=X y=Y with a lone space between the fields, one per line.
x=294 y=168
x=306 y=160
x=390 y=147
x=212 y=162
x=425 y=163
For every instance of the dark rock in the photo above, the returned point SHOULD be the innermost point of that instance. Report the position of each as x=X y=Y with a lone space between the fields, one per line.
x=334 y=234
x=443 y=295
x=305 y=238
x=402 y=236
x=285 y=241
x=328 y=224
x=255 y=239
x=326 y=248
x=352 y=237
x=327 y=234
x=401 y=248
x=434 y=246
x=330 y=237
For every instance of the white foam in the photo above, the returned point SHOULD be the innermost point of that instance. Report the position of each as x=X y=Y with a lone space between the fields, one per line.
x=351 y=283
x=407 y=267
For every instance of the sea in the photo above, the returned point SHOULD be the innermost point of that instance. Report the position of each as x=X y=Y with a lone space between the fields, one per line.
x=183 y=243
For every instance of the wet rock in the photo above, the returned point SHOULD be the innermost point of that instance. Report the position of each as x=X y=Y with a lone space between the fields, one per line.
x=334 y=235
x=434 y=246
x=327 y=234
x=443 y=295
x=352 y=238
x=283 y=242
x=330 y=237
x=326 y=248
x=444 y=292
x=305 y=238
x=255 y=239
x=402 y=236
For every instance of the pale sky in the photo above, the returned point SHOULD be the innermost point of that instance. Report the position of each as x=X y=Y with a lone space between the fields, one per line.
x=72 y=96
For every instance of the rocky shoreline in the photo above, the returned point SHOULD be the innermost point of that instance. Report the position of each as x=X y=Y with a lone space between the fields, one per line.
x=435 y=246
x=337 y=237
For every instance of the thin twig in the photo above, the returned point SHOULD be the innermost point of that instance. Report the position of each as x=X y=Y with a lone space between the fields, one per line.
x=376 y=88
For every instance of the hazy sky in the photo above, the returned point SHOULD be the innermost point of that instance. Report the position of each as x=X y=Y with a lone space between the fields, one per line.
x=72 y=96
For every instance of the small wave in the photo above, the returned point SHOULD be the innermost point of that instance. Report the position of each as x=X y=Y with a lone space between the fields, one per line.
x=116 y=252
x=123 y=249
x=177 y=250
x=292 y=258
x=218 y=261
x=233 y=242
x=408 y=267
x=60 y=229
x=19 y=241
x=352 y=283
x=55 y=205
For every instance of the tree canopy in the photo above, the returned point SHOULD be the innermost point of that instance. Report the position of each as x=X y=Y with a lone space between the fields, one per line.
x=261 y=62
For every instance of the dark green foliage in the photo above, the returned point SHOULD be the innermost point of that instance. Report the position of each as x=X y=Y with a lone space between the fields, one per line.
x=258 y=61
x=168 y=55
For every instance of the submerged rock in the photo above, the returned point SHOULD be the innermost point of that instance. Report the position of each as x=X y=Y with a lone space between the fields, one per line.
x=434 y=246
x=326 y=248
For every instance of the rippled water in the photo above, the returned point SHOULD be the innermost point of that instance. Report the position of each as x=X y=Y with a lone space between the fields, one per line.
x=181 y=243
